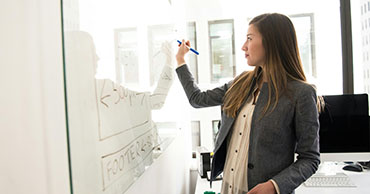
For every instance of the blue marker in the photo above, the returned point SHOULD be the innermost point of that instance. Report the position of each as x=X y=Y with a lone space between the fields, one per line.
x=194 y=51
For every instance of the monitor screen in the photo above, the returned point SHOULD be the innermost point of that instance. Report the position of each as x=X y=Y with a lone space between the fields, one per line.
x=344 y=124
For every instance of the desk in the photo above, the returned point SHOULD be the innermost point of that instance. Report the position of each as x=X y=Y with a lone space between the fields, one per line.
x=361 y=180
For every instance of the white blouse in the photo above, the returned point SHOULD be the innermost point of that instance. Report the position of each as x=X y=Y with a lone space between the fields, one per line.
x=235 y=174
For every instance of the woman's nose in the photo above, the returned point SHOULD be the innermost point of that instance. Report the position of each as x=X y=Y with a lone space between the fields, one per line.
x=244 y=47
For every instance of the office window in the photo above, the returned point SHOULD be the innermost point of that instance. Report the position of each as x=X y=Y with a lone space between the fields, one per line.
x=361 y=63
x=166 y=133
x=304 y=26
x=126 y=56
x=365 y=8
x=157 y=34
x=195 y=135
x=221 y=39
x=215 y=128
x=365 y=24
x=193 y=59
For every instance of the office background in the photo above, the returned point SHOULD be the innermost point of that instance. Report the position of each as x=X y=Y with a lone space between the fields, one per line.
x=32 y=100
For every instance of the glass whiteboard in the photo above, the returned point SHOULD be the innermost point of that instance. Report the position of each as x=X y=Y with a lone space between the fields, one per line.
x=116 y=73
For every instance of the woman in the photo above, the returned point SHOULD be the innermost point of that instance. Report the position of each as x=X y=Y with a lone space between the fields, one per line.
x=268 y=114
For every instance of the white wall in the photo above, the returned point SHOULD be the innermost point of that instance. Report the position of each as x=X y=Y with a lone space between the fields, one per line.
x=33 y=136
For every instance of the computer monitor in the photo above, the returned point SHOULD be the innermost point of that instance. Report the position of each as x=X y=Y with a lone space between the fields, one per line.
x=344 y=128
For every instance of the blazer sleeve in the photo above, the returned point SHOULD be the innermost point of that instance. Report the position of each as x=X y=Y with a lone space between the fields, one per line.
x=196 y=97
x=306 y=125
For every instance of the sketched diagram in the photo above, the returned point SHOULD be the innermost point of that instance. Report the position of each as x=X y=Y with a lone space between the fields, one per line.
x=121 y=109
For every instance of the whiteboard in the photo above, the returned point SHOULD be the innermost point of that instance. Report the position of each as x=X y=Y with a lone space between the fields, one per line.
x=112 y=136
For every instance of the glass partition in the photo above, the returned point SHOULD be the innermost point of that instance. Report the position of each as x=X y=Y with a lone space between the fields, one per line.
x=119 y=68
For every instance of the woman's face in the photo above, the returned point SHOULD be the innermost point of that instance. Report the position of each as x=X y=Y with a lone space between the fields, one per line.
x=253 y=48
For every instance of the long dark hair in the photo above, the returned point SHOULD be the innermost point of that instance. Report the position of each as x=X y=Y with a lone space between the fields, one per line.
x=282 y=63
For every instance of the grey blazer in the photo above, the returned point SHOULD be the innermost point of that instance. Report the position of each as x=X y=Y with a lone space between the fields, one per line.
x=293 y=127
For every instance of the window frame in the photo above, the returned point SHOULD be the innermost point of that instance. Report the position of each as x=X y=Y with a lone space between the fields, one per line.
x=210 y=46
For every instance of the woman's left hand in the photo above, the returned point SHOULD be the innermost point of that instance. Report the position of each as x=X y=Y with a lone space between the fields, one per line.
x=263 y=188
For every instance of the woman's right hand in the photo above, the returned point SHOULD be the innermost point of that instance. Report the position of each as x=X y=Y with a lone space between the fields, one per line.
x=183 y=49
